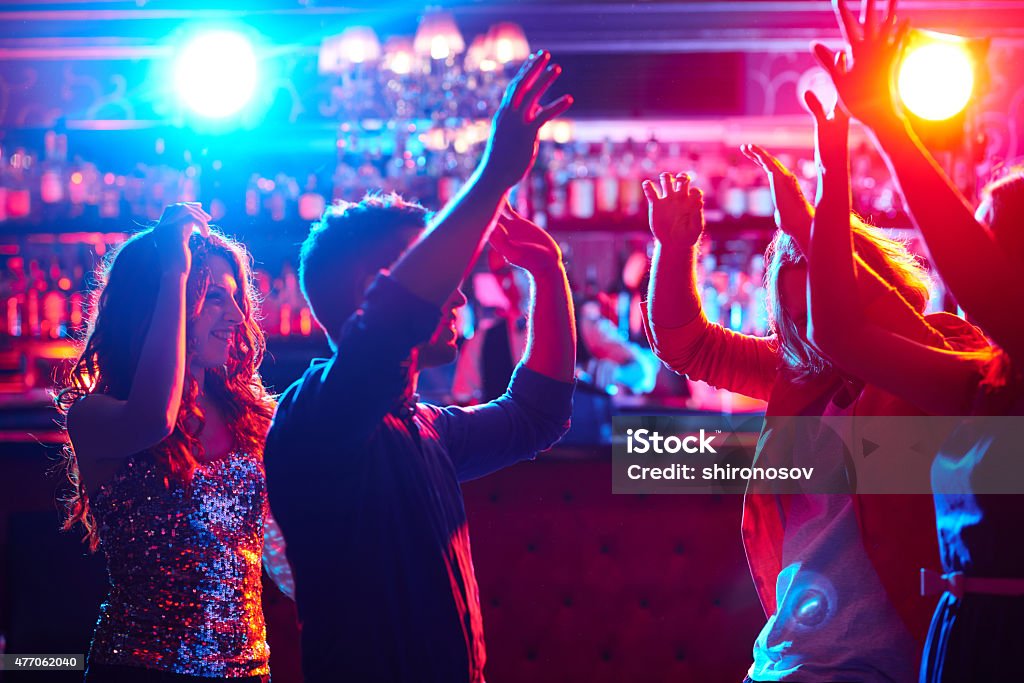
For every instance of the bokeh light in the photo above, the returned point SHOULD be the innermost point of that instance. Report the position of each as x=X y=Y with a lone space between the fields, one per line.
x=215 y=73
x=936 y=79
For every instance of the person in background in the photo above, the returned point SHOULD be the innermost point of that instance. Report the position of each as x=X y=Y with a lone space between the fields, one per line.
x=166 y=415
x=363 y=477
x=487 y=360
x=979 y=622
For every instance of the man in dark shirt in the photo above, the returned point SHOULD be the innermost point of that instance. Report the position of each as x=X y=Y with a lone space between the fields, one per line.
x=363 y=479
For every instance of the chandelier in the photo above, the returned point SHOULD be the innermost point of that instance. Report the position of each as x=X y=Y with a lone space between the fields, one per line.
x=429 y=81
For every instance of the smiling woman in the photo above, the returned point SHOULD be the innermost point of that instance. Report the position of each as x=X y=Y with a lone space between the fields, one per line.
x=167 y=414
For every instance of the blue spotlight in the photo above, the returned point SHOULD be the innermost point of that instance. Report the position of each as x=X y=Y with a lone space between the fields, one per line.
x=215 y=73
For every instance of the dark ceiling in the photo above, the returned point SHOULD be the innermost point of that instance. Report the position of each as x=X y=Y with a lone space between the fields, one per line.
x=594 y=26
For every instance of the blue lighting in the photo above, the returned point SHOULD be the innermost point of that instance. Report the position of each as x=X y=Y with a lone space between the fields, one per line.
x=216 y=72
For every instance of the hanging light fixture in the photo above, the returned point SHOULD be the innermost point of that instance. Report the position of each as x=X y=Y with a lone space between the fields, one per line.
x=508 y=43
x=399 y=55
x=438 y=37
x=430 y=79
x=358 y=44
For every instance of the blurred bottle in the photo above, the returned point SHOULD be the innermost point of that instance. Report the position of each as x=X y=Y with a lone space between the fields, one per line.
x=4 y=182
x=19 y=193
x=558 y=177
x=110 y=197
x=630 y=182
x=311 y=203
x=36 y=287
x=582 y=202
x=252 y=196
x=538 y=188
x=190 y=187
x=733 y=194
x=76 y=302
x=607 y=180
x=51 y=179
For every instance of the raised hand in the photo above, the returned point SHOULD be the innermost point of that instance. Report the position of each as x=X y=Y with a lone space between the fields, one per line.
x=832 y=135
x=524 y=244
x=512 y=146
x=173 y=231
x=676 y=213
x=793 y=213
x=866 y=85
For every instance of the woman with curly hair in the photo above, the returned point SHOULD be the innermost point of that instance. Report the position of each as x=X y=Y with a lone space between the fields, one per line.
x=167 y=415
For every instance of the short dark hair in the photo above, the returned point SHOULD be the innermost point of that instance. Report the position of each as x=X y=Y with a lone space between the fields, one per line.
x=350 y=242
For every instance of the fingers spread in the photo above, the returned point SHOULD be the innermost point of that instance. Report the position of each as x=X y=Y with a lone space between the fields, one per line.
x=528 y=75
x=553 y=110
x=867 y=18
x=887 y=26
x=650 y=192
x=847 y=22
x=532 y=97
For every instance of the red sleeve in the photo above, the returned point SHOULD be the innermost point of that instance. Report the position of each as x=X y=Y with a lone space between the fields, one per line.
x=725 y=359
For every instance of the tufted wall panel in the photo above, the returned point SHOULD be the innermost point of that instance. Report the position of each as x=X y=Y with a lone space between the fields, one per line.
x=577 y=584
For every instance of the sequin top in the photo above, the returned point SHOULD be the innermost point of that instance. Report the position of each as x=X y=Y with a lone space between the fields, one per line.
x=184 y=569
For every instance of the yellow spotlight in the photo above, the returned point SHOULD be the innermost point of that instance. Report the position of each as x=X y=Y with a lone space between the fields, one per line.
x=936 y=77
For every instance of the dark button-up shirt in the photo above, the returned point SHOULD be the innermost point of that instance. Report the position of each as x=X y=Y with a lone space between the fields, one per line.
x=364 y=482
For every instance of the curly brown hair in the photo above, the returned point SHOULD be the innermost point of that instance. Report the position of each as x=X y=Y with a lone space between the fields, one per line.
x=120 y=312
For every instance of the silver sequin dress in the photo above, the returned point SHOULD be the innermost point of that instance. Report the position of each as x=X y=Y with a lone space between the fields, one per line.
x=185 y=569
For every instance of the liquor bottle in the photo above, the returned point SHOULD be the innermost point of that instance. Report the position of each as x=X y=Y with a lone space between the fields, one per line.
x=252 y=196
x=311 y=203
x=76 y=316
x=19 y=196
x=558 y=176
x=733 y=193
x=14 y=305
x=4 y=182
x=581 y=184
x=51 y=185
x=630 y=182
x=110 y=196
x=277 y=201
x=607 y=180
x=76 y=188
x=36 y=286
x=91 y=184
x=539 y=190
x=190 y=187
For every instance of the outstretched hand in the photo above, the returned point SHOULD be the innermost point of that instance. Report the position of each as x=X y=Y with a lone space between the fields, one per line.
x=523 y=243
x=793 y=213
x=512 y=146
x=172 y=233
x=676 y=213
x=832 y=135
x=865 y=86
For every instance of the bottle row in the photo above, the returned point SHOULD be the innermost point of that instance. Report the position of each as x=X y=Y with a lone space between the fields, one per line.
x=45 y=281
x=572 y=181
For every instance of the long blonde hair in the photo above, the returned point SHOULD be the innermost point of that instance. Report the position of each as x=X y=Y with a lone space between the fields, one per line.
x=889 y=258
